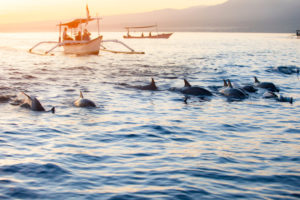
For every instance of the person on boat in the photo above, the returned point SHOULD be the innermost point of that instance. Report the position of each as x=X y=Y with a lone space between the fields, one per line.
x=78 y=36
x=150 y=34
x=86 y=35
x=142 y=35
x=65 y=35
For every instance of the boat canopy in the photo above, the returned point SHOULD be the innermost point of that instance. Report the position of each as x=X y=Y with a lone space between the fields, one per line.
x=76 y=22
x=139 y=27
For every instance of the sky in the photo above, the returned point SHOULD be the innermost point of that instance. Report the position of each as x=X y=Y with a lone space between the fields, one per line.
x=20 y=11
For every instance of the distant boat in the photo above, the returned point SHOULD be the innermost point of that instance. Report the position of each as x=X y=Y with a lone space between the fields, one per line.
x=148 y=35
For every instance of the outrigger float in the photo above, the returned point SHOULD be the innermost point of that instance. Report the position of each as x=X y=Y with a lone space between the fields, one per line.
x=145 y=36
x=81 y=44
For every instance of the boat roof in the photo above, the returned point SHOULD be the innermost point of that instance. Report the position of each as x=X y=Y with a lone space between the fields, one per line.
x=139 y=27
x=75 y=23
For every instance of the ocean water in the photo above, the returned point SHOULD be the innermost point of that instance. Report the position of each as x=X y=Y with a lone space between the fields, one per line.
x=150 y=144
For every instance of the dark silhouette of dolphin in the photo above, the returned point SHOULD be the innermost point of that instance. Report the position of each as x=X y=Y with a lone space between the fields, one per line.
x=194 y=90
x=265 y=85
x=246 y=88
x=82 y=102
x=249 y=88
x=225 y=84
x=231 y=92
x=151 y=86
x=272 y=95
x=288 y=69
x=34 y=104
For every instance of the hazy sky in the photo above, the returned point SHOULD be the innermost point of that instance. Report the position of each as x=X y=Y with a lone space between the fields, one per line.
x=14 y=11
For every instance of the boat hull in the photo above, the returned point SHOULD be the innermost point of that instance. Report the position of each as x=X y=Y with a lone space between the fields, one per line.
x=91 y=47
x=159 y=36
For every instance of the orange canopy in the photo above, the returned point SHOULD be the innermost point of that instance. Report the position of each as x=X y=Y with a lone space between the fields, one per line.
x=75 y=23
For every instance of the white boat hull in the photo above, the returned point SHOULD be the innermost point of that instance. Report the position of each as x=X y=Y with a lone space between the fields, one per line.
x=91 y=47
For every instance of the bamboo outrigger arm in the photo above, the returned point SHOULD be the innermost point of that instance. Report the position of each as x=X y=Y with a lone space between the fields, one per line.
x=132 y=51
x=46 y=42
x=59 y=44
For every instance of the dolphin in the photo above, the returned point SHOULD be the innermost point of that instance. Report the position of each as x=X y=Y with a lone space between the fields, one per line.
x=245 y=88
x=288 y=69
x=231 y=92
x=272 y=95
x=265 y=85
x=249 y=88
x=34 y=104
x=151 y=86
x=194 y=90
x=82 y=102
x=225 y=84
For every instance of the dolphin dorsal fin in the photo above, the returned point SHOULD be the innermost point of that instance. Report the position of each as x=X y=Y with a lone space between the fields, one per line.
x=229 y=83
x=256 y=80
x=81 y=95
x=26 y=95
x=152 y=82
x=186 y=83
x=225 y=83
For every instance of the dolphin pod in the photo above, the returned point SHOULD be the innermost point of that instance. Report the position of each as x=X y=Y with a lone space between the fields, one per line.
x=228 y=90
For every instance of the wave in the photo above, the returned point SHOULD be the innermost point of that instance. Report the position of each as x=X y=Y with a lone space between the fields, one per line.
x=22 y=193
x=48 y=171
x=6 y=98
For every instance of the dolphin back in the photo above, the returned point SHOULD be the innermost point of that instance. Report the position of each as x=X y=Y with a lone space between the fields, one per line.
x=84 y=103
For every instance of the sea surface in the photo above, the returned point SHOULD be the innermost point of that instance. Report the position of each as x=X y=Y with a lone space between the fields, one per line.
x=139 y=144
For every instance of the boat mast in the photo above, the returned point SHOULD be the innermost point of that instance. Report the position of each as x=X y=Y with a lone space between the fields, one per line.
x=98 y=24
x=59 y=38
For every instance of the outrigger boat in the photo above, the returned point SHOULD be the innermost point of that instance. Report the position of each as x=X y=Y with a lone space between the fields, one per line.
x=145 y=36
x=81 y=44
